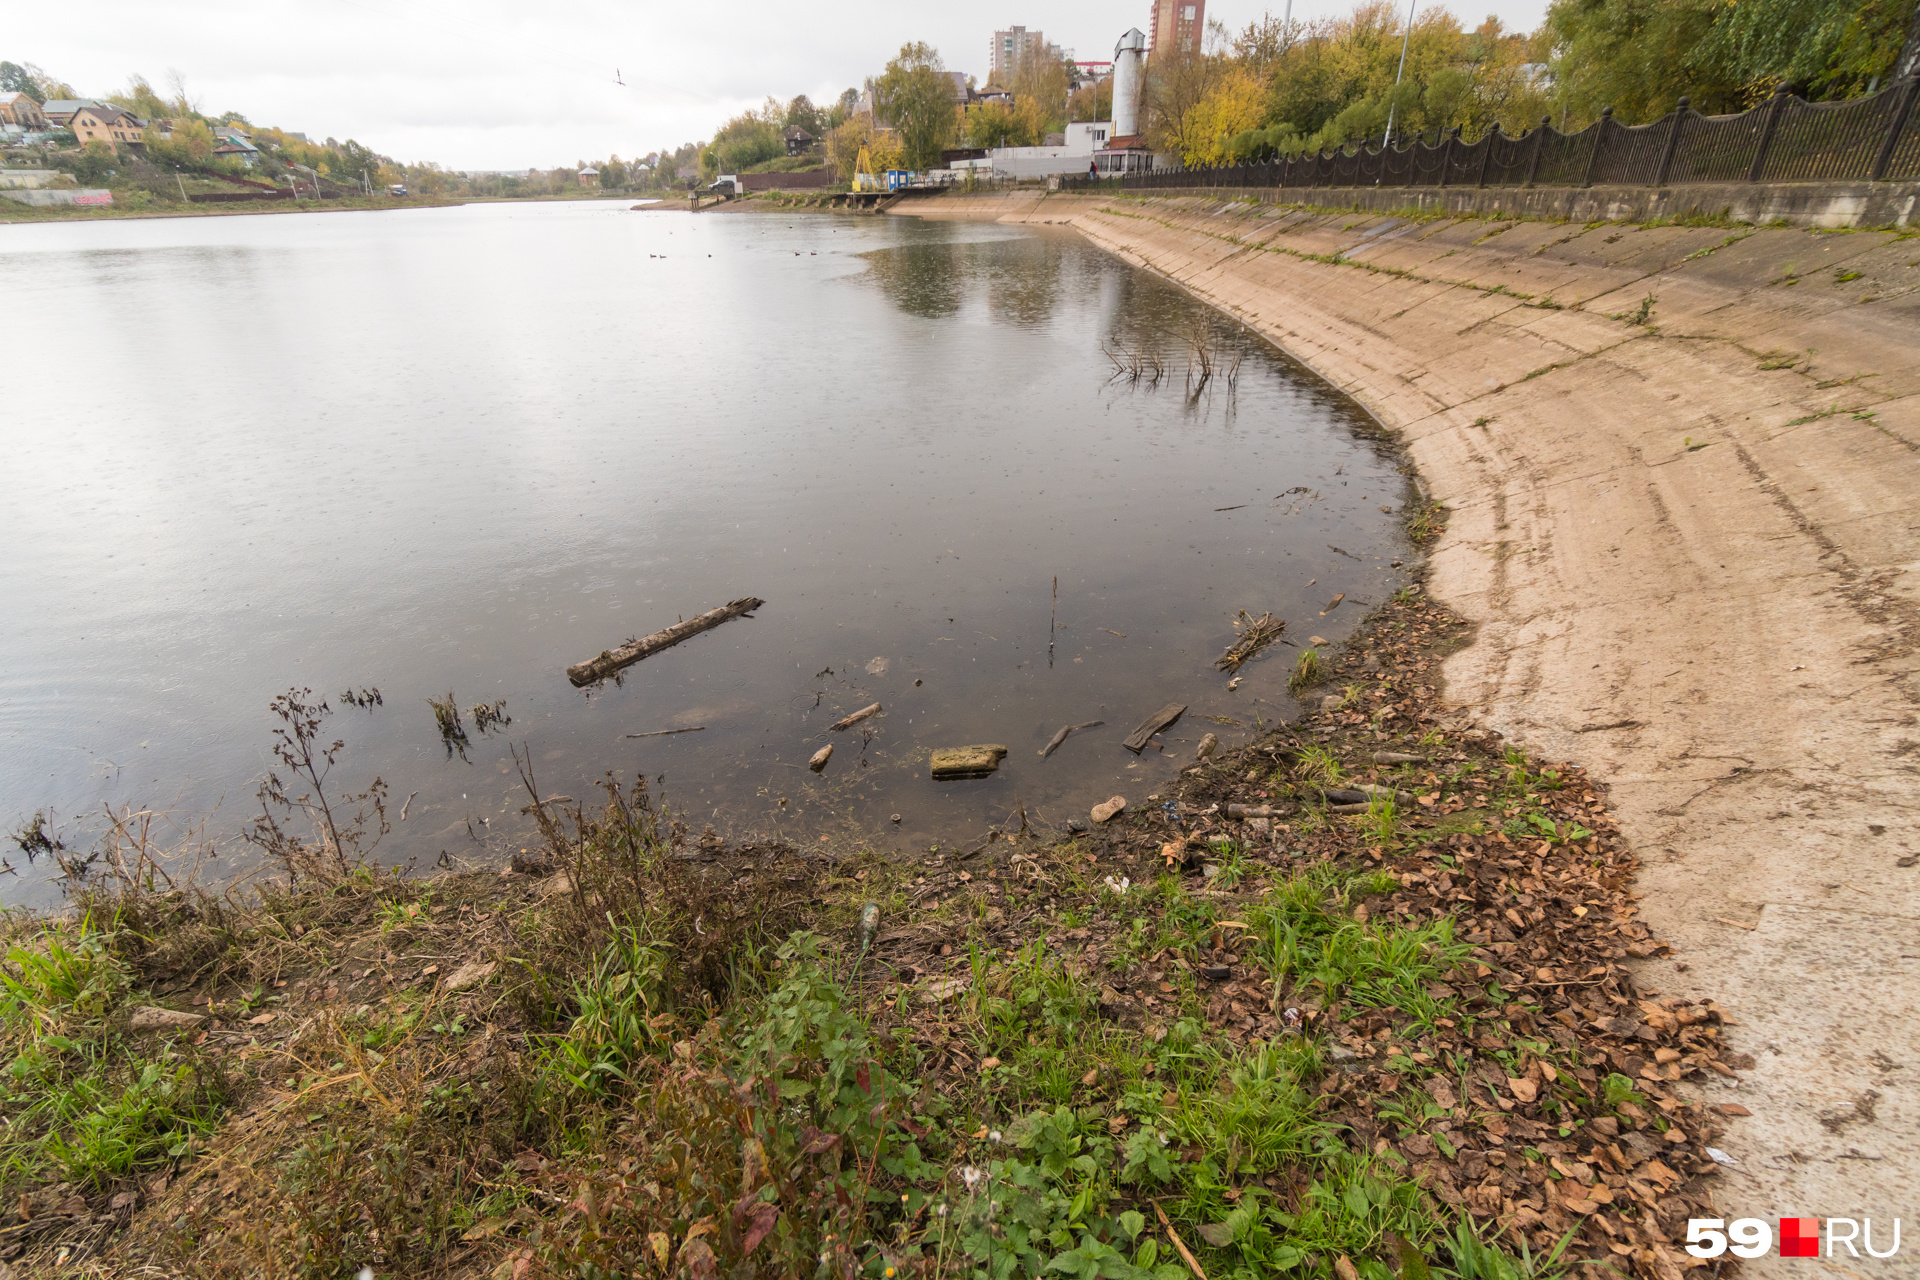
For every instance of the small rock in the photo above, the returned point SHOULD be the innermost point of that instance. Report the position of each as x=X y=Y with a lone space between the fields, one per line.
x=1334 y=603
x=1076 y=825
x=1208 y=745
x=878 y=667
x=1340 y=1053
x=820 y=758
x=469 y=975
x=895 y=818
x=940 y=990
x=1332 y=702
x=1108 y=809
x=154 y=1018
x=1318 y=641
x=1262 y=825
x=967 y=762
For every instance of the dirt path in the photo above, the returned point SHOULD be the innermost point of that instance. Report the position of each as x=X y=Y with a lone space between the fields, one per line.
x=1684 y=464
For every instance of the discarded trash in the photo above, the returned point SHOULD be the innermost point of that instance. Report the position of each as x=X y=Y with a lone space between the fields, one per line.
x=1721 y=1157
x=1245 y=811
x=820 y=758
x=612 y=660
x=1208 y=745
x=878 y=667
x=869 y=925
x=1061 y=736
x=1397 y=757
x=849 y=721
x=1233 y=684
x=667 y=733
x=1255 y=635
x=1120 y=886
x=967 y=762
x=1362 y=794
x=1318 y=641
x=1136 y=741
x=1108 y=809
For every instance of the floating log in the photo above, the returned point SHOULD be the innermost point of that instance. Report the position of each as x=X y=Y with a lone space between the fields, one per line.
x=1061 y=736
x=854 y=719
x=820 y=758
x=967 y=762
x=1136 y=741
x=667 y=733
x=612 y=660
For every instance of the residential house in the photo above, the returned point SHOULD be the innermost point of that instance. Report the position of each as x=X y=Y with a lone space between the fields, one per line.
x=59 y=111
x=239 y=149
x=117 y=128
x=798 y=140
x=589 y=177
x=23 y=111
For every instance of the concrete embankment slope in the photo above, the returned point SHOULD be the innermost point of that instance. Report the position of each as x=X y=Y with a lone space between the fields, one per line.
x=1684 y=464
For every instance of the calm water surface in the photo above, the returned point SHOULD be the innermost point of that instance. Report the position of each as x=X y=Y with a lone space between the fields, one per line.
x=458 y=449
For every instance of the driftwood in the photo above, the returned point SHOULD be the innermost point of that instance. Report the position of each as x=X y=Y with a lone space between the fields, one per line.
x=1061 y=736
x=1255 y=635
x=854 y=719
x=612 y=660
x=1136 y=741
x=967 y=762
x=667 y=733
x=820 y=758
x=1242 y=812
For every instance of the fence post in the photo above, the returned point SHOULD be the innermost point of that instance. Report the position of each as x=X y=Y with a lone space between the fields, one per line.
x=1599 y=140
x=1539 y=140
x=1446 y=154
x=1488 y=138
x=1673 y=141
x=1900 y=114
x=1774 y=108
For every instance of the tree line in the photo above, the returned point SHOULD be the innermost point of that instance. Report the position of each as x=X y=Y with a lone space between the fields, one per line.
x=1288 y=87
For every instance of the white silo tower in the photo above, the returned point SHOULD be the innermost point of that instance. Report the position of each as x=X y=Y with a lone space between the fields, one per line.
x=1128 y=57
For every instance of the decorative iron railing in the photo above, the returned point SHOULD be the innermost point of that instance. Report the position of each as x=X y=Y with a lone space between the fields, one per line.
x=1785 y=139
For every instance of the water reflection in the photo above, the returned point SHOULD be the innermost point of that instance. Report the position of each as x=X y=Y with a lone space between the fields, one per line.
x=566 y=425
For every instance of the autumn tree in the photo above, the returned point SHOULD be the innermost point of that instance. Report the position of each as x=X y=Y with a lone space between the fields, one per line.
x=916 y=97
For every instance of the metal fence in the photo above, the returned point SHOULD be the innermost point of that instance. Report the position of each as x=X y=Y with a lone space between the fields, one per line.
x=1786 y=139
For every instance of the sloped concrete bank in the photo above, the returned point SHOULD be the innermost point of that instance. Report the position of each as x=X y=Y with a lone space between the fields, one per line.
x=1684 y=465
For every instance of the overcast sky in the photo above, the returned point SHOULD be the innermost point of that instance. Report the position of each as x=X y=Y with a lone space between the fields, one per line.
x=489 y=84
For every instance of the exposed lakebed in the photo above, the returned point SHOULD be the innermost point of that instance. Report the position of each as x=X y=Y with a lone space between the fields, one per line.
x=459 y=449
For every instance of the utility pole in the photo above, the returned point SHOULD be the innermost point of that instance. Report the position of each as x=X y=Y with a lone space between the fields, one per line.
x=1404 y=42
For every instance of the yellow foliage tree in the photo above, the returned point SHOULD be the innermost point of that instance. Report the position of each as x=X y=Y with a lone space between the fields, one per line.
x=1235 y=102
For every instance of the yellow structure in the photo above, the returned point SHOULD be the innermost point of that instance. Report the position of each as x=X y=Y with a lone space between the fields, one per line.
x=863 y=179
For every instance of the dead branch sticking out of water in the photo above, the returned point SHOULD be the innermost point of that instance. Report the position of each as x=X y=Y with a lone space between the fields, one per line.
x=1255 y=635
x=1135 y=365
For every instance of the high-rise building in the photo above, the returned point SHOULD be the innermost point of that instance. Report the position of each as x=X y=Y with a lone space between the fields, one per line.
x=1177 y=24
x=1012 y=47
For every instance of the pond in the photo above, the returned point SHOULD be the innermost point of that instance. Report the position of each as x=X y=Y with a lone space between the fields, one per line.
x=451 y=451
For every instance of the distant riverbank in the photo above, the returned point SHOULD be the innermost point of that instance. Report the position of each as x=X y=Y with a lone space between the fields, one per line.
x=12 y=213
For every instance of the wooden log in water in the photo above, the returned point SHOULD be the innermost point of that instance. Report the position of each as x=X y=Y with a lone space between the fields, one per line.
x=612 y=660
x=1136 y=741
x=854 y=719
x=1061 y=736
